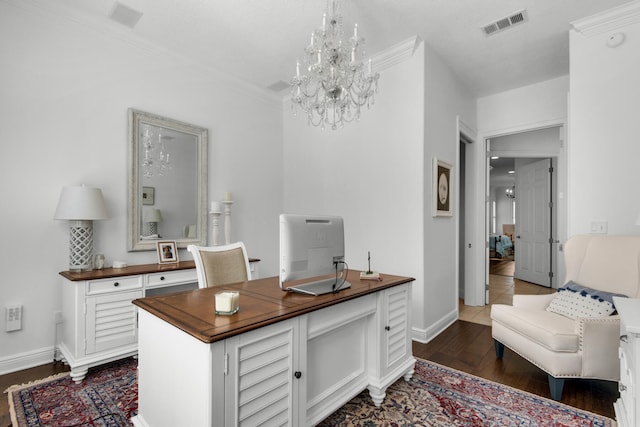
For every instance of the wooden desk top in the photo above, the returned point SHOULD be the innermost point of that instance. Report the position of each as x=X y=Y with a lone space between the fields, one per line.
x=262 y=303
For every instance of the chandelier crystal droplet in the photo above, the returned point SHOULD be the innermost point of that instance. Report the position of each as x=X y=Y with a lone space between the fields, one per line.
x=155 y=158
x=332 y=84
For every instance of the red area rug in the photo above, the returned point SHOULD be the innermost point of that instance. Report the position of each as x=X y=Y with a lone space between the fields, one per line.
x=108 y=396
x=440 y=396
x=435 y=396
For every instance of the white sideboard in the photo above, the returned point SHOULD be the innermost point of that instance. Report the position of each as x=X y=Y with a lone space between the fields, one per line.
x=295 y=370
x=99 y=323
x=627 y=407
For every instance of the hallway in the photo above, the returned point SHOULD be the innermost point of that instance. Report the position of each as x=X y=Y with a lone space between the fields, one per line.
x=502 y=286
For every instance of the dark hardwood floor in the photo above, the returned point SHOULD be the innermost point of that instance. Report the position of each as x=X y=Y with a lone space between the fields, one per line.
x=468 y=347
x=465 y=346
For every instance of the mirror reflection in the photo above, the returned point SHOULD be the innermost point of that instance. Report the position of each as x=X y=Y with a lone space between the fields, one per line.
x=167 y=181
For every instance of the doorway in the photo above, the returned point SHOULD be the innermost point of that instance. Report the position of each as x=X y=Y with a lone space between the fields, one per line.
x=521 y=149
x=522 y=218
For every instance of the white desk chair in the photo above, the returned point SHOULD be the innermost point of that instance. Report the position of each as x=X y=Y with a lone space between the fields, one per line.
x=221 y=265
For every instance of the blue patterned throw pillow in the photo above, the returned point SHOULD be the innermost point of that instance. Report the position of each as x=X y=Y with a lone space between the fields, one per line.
x=574 y=300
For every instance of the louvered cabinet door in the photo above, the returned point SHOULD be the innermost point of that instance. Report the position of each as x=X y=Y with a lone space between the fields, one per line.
x=396 y=334
x=111 y=321
x=263 y=377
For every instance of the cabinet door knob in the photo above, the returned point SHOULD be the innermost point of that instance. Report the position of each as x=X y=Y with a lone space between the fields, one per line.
x=116 y=284
x=387 y=328
x=298 y=374
x=623 y=338
x=622 y=387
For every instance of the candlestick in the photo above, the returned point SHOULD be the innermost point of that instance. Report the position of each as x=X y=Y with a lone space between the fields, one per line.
x=226 y=197
x=215 y=226
x=227 y=220
x=216 y=207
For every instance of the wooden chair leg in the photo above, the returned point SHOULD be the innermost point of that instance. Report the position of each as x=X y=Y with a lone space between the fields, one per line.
x=555 y=387
x=499 y=348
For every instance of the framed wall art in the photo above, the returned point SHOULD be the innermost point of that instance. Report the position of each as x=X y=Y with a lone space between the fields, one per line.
x=442 y=204
x=167 y=252
x=148 y=195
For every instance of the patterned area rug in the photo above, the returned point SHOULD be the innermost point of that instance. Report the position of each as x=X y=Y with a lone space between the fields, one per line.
x=108 y=396
x=440 y=396
x=435 y=396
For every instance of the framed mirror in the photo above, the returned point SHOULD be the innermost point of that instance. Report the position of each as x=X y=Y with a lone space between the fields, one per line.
x=167 y=182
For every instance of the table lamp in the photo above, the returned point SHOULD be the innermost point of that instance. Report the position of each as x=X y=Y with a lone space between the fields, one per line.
x=81 y=205
x=153 y=217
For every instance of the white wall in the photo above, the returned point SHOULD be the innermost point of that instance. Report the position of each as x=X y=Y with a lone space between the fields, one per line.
x=369 y=172
x=446 y=100
x=603 y=148
x=377 y=175
x=524 y=108
x=64 y=97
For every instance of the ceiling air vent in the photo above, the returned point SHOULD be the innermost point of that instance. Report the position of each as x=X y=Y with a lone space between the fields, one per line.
x=504 y=23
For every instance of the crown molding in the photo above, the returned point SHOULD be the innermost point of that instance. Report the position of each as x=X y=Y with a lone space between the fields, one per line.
x=608 y=20
x=396 y=54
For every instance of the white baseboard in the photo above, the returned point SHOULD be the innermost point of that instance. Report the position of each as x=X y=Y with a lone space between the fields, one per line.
x=426 y=335
x=20 y=361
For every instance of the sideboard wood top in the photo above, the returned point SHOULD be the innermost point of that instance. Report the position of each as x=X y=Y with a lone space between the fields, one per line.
x=262 y=303
x=132 y=270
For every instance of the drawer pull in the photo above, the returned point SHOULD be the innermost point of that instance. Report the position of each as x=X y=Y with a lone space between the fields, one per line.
x=387 y=328
x=161 y=277
x=623 y=338
x=116 y=284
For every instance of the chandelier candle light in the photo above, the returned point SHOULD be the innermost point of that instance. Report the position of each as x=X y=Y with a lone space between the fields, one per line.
x=337 y=83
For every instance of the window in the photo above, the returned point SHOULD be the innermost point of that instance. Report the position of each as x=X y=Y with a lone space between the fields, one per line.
x=493 y=216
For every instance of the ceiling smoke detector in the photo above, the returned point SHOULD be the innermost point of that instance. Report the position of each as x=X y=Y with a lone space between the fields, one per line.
x=504 y=23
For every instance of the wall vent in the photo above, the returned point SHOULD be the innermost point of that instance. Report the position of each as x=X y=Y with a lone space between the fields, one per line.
x=504 y=23
x=125 y=15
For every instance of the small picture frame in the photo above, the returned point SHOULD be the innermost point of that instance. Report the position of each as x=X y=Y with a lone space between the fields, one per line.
x=167 y=252
x=442 y=204
x=148 y=195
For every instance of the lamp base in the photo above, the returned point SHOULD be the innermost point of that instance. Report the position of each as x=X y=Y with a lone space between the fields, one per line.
x=81 y=245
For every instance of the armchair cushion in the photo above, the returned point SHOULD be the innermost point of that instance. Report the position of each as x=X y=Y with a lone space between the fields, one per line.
x=550 y=330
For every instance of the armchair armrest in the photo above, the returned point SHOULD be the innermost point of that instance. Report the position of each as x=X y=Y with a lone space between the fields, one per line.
x=540 y=302
x=599 y=342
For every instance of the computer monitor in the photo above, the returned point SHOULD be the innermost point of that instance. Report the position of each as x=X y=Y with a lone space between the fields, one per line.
x=310 y=246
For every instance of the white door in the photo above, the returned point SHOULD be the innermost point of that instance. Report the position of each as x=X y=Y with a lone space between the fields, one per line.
x=533 y=223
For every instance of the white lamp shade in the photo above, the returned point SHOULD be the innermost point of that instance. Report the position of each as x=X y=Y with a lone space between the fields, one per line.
x=153 y=215
x=81 y=203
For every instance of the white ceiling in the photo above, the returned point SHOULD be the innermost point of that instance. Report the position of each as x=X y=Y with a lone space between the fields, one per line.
x=259 y=40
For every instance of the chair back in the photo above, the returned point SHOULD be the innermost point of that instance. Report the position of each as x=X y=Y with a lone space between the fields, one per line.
x=608 y=263
x=221 y=265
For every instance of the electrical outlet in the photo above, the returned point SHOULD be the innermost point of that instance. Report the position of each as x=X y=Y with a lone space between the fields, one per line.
x=599 y=227
x=13 y=318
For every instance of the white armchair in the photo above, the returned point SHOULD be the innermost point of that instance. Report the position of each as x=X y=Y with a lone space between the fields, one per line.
x=584 y=347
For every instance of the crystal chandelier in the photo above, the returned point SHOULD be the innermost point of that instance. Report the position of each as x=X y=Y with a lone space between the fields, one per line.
x=336 y=83
x=155 y=160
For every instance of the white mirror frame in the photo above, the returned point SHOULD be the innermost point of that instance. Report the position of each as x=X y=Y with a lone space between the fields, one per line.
x=134 y=205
